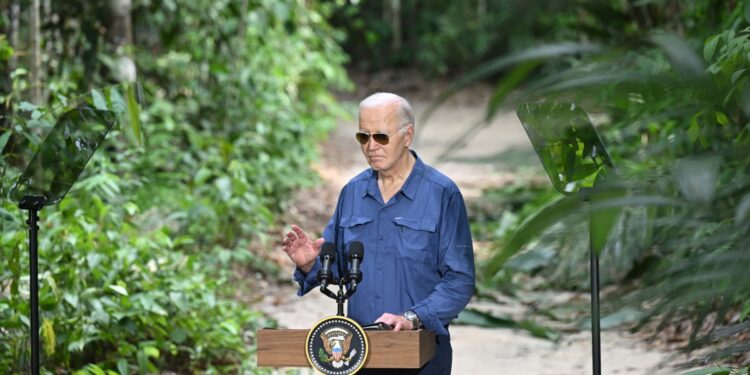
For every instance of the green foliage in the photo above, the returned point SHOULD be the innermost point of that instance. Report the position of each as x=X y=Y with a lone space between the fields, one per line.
x=675 y=124
x=717 y=371
x=246 y=120
x=136 y=263
x=482 y=319
x=441 y=37
x=6 y=51
x=115 y=296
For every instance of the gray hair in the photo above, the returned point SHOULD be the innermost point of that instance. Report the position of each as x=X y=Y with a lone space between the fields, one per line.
x=405 y=112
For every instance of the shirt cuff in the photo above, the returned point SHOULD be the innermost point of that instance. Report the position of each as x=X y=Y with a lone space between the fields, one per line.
x=430 y=320
x=307 y=281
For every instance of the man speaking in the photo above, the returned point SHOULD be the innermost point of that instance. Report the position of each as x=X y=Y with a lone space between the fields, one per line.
x=419 y=264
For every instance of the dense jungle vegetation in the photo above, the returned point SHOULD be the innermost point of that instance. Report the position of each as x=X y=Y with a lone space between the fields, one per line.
x=667 y=85
x=136 y=260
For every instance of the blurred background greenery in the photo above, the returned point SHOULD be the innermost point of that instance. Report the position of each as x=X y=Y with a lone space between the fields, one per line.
x=137 y=261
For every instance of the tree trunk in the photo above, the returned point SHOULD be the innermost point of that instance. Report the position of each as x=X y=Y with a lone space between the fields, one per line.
x=11 y=30
x=15 y=15
x=641 y=14
x=120 y=35
x=395 y=11
x=481 y=9
x=36 y=53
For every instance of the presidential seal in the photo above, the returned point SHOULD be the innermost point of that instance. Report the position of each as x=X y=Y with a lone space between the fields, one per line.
x=337 y=345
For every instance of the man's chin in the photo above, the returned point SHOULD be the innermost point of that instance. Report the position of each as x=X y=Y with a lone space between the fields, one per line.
x=376 y=164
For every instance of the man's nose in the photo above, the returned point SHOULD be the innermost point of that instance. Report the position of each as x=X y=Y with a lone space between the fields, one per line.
x=371 y=144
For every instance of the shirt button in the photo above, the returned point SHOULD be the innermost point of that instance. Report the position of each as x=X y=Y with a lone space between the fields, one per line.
x=380 y=238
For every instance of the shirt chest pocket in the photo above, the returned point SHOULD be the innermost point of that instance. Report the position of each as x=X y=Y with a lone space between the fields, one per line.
x=353 y=228
x=417 y=238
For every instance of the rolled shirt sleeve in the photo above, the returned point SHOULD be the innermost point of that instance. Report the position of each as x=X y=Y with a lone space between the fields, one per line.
x=308 y=281
x=456 y=255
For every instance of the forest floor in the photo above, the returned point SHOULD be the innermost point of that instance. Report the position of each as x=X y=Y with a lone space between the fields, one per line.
x=498 y=154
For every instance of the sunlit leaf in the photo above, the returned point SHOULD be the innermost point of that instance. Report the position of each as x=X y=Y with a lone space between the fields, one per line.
x=134 y=112
x=118 y=289
x=4 y=139
x=99 y=101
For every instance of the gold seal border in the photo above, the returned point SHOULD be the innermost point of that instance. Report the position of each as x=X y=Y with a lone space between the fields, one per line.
x=355 y=324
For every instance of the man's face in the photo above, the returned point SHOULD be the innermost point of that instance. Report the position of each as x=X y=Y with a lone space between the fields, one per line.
x=384 y=119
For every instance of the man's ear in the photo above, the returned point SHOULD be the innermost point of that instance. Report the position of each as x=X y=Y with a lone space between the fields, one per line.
x=409 y=135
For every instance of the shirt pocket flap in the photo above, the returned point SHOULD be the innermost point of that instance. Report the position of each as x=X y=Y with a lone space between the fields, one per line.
x=416 y=223
x=351 y=221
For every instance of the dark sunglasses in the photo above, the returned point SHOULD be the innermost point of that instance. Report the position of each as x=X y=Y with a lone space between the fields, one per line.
x=381 y=138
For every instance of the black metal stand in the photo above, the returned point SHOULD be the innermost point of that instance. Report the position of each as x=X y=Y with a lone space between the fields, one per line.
x=595 y=329
x=33 y=204
x=340 y=296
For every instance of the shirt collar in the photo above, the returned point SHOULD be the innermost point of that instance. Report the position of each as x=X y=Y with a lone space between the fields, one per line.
x=409 y=189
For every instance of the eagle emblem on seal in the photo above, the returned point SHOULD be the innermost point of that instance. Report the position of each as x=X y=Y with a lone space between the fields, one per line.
x=336 y=342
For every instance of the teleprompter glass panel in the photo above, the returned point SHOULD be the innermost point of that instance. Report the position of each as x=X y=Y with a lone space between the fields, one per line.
x=567 y=145
x=64 y=154
x=78 y=132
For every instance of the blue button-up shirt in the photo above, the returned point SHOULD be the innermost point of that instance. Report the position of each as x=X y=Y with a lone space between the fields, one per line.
x=418 y=249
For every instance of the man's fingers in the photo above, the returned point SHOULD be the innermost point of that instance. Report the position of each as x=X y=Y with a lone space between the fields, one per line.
x=385 y=318
x=298 y=231
x=318 y=243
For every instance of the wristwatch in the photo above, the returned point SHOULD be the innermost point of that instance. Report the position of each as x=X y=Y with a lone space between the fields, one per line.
x=413 y=318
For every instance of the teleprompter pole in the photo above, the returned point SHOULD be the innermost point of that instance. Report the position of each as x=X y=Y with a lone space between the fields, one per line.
x=33 y=204
x=595 y=328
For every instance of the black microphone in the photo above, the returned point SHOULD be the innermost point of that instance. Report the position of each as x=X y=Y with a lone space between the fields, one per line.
x=356 y=255
x=327 y=257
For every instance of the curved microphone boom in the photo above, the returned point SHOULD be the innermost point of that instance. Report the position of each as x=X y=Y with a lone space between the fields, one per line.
x=356 y=255
x=327 y=257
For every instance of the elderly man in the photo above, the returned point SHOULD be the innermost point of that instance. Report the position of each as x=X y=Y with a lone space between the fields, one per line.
x=419 y=265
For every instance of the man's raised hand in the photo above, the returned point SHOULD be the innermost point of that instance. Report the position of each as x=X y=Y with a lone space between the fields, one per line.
x=301 y=249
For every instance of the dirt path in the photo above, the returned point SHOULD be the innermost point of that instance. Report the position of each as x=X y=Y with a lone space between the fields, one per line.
x=476 y=350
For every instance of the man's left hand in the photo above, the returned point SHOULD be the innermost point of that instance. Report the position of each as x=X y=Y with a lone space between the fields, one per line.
x=397 y=321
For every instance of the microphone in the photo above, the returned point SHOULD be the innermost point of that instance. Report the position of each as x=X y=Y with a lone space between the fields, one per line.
x=356 y=255
x=327 y=257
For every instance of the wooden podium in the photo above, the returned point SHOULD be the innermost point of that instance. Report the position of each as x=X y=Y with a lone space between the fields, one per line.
x=388 y=349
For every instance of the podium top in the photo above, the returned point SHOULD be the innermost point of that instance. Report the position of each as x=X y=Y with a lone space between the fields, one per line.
x=388 y=349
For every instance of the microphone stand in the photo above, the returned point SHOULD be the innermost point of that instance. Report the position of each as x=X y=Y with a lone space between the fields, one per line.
x=340 y=296
x=348 y=281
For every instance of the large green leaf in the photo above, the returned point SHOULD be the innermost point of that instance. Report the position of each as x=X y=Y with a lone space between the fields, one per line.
x=684 y=59
x=530 y=229
x=708 y=371
x=483 y=319
x=602 y=220
x=531 y=55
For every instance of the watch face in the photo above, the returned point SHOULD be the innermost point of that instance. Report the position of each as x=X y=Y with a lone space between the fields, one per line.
x=413 y=318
